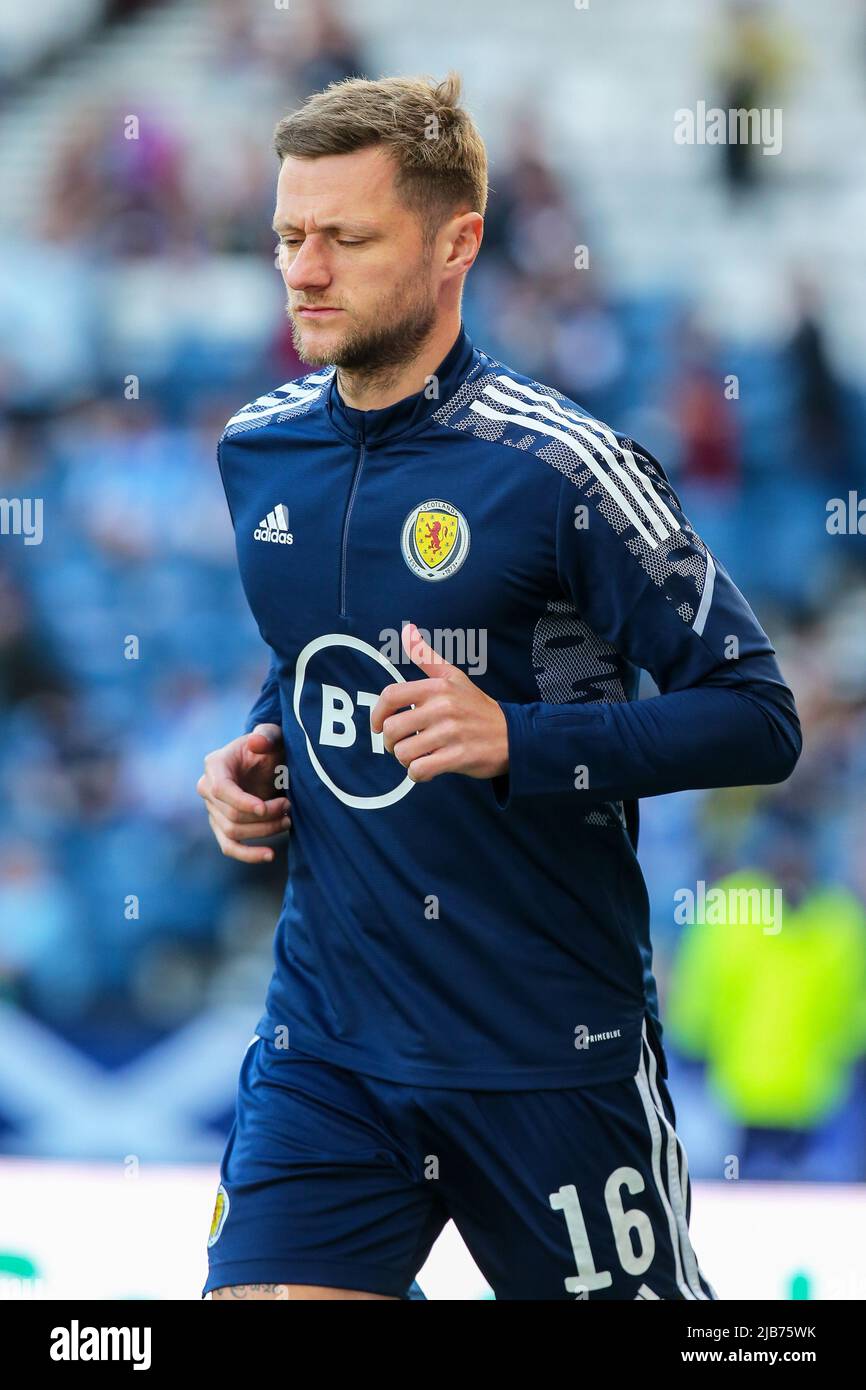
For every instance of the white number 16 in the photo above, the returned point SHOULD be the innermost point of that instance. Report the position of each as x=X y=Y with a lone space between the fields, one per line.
x=622 y=1224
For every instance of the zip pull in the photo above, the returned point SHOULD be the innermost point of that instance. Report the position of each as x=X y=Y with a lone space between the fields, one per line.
x=356 y=475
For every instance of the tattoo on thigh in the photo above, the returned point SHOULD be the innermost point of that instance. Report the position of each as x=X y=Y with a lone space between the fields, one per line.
x=251 y=1290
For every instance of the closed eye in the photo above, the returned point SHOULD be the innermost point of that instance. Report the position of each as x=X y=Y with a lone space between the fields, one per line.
x=341 y=241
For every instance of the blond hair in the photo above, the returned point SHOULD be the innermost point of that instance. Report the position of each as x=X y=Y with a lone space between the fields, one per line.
x=440 y=156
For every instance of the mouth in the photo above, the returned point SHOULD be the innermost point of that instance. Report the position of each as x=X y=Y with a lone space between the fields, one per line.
x=305 y=312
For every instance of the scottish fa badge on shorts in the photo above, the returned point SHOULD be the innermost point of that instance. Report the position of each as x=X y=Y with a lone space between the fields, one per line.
x=220 y=1212
x=434 y=539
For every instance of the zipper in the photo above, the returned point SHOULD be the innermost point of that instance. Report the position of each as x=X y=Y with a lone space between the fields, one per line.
x=344 y=547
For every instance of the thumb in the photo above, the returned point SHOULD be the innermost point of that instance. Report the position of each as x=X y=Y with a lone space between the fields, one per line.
x=263 y=739
x=423 y=655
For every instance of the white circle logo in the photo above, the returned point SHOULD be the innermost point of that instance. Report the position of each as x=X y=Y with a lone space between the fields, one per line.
x=340 y=729
x=435 y=539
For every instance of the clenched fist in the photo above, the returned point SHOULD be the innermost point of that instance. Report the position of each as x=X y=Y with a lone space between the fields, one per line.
x=235 y=787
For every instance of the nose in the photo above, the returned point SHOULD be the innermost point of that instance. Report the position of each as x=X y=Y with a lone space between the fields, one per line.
x=308 y=268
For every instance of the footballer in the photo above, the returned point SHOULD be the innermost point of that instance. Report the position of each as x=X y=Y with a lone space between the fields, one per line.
x=462 y=1020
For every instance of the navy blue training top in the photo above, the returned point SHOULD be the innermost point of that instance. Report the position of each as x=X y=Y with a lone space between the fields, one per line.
x=464 y=932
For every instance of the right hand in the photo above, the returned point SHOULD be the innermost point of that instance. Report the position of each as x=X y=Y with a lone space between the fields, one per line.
x=235 y=785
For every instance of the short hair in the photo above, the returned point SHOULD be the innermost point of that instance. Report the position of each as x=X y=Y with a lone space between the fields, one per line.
x=440 y=155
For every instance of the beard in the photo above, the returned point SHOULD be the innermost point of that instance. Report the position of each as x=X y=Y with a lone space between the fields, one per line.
x=403 y=324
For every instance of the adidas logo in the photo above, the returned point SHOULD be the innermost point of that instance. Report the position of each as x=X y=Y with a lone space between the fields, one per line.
x=275 y=526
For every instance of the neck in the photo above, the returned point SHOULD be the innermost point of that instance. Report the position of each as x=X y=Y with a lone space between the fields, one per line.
x=383 y=386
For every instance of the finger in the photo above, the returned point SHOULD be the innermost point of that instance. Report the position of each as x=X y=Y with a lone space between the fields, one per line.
x=225 y=790
x=394 y=697
x=248 y=854
x=261 y=831
x=260 y=744
x=249 y=830
x=426 y=768
x=421 y=744
x=277 y=806
x=423 y=655
x=412 y=721
x=230 y=814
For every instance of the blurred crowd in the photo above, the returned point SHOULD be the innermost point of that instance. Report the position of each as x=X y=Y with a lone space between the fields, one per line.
x=127 y=650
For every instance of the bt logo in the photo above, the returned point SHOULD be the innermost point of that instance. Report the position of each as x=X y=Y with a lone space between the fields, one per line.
x=344 y=720
x=338 y=728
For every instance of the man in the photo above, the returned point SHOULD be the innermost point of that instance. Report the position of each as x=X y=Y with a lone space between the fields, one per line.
x=458 y=574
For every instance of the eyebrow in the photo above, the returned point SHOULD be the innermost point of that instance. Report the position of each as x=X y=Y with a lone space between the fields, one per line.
x=360 y=228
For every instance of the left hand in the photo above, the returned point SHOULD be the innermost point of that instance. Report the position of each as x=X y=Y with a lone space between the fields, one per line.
x=454 y=726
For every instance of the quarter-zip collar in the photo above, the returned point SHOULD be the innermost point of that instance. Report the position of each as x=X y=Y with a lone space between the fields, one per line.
x=376 y=426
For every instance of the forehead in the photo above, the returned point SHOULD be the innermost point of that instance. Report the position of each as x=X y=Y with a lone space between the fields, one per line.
x=338 y=187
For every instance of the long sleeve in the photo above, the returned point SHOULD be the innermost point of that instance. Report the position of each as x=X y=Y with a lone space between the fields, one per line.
x=267 y=709
x=643 y=580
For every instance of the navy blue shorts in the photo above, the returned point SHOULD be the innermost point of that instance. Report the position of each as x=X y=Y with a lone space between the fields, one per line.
x=334 y=1178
